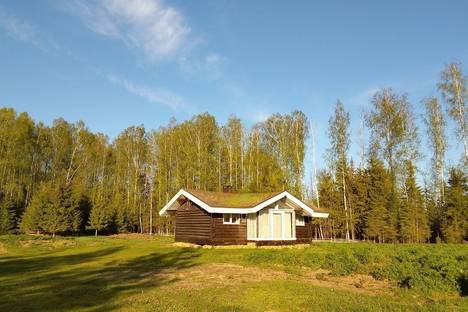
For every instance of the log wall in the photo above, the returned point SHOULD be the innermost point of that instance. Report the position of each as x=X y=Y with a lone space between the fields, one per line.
x=193 y=224
x=229 y=234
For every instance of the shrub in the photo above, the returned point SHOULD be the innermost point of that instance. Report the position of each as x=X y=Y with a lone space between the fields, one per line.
x=341 y=263
x=441 y=268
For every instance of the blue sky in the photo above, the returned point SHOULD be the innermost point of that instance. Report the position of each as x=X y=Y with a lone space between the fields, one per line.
x=116 y=63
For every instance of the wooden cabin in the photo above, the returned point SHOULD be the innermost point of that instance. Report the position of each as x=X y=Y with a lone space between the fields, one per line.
x=226 y=218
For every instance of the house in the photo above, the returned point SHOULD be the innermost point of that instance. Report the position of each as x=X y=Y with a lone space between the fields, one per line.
x=224 y=218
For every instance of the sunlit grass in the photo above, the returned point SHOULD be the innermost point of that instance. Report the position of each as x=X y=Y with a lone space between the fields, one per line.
x=125 y=273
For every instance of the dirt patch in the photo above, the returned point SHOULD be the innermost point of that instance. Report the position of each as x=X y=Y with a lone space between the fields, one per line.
x=224 y=274
x=182 y=244
x=217 y=275
x=356 y=282
x=53 y=243
x=133 y=236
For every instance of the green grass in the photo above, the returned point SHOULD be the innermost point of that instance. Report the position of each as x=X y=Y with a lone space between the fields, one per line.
x=125 y=273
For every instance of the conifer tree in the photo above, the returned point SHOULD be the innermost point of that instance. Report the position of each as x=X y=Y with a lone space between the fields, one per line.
x=100 y=216
x=413 y=220
x=6 y=217
x=394 y=139
x=330 y=200
x=53 y=216
x=379 y=225
x=455 y=226
x=360 y=200
x=34 y=217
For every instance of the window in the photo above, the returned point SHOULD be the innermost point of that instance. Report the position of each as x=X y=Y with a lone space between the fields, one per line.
x=231 y=218
x=300 y=220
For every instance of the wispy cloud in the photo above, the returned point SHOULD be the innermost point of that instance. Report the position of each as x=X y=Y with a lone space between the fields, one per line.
x=363 y=98
x=152 y=26
x=156 y=96
x=212 y=66
x=16 y=28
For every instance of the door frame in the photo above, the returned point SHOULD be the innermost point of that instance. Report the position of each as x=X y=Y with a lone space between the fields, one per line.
x=283 y=212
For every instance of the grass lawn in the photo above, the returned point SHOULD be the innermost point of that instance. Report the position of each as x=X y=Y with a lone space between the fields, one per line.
x=151 y=274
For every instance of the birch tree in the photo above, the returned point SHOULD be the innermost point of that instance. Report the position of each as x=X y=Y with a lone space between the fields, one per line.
x=453 y=86
x=393 y=138
x=435 y=125
x=338 y=133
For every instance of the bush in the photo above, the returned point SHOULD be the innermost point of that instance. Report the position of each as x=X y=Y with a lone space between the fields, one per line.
x=441 y=268
x=341 y=263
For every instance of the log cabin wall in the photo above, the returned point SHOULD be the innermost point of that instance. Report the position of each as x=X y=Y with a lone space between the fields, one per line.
x=304 y=232
x=193 y=224
x=228 y=234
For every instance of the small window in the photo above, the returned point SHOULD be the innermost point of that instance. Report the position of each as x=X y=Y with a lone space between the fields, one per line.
x=300 y=220
x=231 y=218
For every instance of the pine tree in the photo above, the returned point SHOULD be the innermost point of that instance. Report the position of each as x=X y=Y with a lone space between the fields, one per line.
x=455 y=226
x=100 y=216
x=6 y=217
x=330 y=200
x=359 y=198
x=379 y=223
x=413 y=220
x=45 y=212
x=70 y=208
x=34 y=216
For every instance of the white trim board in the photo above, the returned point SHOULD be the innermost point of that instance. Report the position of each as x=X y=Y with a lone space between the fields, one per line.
x=254 y=209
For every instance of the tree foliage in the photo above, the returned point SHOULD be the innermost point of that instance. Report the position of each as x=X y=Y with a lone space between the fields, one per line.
x=63 y=179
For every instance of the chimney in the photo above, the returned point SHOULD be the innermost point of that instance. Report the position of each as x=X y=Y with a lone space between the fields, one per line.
x=227 y=188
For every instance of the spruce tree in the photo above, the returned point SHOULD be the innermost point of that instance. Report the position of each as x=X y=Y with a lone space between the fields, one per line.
x=6 y=217
x=378 y=227
x=412 y=219
x=360 y=200
x=330 y=200
x=100 y=217
x=455 y=226
x=394 y=139
x=34 y=218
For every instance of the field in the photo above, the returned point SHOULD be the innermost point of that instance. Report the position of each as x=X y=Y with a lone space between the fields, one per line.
x=138 y=273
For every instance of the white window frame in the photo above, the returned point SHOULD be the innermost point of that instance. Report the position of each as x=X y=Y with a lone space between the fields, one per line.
x=230 y=218
x=300 y=220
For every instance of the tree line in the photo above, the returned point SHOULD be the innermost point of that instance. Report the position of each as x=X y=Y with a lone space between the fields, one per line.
x=65 y=179
x=379 y=199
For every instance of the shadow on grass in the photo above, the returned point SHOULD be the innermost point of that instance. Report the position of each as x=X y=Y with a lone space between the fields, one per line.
x=48 y=283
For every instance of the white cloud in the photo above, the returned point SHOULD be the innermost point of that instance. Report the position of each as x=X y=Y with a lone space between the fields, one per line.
x=152 y=26
x=160 y=97
x=16 y=28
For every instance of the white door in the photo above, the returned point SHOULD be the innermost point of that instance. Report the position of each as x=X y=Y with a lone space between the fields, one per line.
x=277 y=226
x=251 y=226
x=263 y=224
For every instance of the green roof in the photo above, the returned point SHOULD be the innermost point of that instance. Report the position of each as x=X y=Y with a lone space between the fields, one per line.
x=232 y=200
